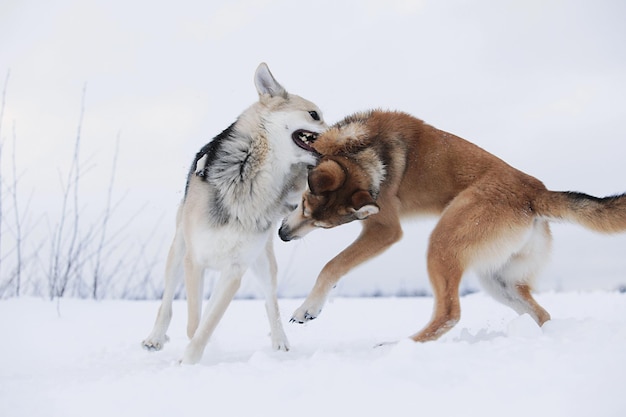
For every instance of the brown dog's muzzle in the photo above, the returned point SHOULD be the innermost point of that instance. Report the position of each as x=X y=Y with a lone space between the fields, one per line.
x=295 y=226
x=285 y=233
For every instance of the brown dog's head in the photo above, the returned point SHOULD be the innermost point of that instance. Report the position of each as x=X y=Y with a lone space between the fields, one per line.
x=339 y=191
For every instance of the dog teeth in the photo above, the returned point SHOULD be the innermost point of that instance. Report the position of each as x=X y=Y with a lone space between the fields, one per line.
x=307 y=137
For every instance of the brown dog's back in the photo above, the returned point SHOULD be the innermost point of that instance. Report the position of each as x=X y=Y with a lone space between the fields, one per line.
x=381 y=166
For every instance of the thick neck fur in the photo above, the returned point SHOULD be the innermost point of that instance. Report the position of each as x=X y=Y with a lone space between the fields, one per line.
x=352 y=138
x=250 y=173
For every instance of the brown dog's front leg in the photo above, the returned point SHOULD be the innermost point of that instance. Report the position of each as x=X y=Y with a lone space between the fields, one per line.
x=373 y=240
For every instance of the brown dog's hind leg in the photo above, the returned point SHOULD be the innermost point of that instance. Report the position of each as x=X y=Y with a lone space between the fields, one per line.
x=536 y=311
x=510 y=283
x=456 y=242
x=445 y=276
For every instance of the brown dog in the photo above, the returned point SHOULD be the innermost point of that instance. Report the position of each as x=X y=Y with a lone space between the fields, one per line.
x=382 y=166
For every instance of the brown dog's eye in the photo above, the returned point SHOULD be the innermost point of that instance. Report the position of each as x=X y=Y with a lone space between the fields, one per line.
x=314 y=115
x=305 y=211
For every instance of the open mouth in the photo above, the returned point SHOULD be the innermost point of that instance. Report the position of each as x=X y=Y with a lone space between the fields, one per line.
x=304 y=139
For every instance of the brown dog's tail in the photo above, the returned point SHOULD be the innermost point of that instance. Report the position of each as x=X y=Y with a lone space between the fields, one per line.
x=605 y=215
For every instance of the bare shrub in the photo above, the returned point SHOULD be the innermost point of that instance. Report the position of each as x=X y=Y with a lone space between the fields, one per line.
x=80 y=254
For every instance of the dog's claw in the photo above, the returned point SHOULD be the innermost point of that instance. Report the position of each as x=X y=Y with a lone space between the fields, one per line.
x=307 y=312
x=306 y=317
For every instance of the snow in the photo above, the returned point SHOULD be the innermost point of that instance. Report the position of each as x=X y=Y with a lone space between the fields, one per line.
x=162 y=80
x=78 y=358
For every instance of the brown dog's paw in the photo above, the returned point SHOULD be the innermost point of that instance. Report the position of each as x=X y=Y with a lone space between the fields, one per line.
x=307 y=312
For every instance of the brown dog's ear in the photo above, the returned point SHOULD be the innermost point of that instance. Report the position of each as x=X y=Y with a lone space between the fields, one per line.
x=327 y=176
x=364 y=204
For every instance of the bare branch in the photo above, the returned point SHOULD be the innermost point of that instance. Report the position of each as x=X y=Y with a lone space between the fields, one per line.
x=105 y=221
x=4 y=91
x=18 y=221
x=81 y=255
x=61 y=274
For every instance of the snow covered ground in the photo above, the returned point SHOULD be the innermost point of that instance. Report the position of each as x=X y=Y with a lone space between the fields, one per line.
x=540 y=84
x=83 y=358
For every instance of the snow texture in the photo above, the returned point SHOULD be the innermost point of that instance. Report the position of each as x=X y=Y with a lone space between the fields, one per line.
x=83 y=358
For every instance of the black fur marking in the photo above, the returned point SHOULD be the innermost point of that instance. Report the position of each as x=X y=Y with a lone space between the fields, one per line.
x=582 y=200
x=211 y=149
x=218 y=211
x=242 y=166
x=576 y=196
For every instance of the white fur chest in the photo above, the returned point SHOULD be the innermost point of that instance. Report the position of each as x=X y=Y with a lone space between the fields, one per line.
x=220 y=247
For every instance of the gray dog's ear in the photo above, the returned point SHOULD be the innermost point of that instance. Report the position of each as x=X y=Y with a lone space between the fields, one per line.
x=266 y=83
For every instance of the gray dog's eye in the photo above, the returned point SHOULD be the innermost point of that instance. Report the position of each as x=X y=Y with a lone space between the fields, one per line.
x=314 y=115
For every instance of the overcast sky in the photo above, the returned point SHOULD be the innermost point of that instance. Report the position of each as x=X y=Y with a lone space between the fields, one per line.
x=542 y=84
